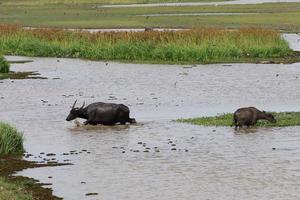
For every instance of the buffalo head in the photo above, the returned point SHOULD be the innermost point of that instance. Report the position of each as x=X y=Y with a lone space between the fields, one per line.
x=75 y=112
x=269 y=117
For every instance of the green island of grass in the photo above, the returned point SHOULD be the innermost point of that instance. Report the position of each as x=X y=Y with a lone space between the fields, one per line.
x=5 y=73
x=203 y=45
x=283 y=119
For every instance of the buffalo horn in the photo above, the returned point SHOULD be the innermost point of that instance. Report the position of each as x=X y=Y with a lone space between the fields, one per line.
x=74 y=104
x=83 y=105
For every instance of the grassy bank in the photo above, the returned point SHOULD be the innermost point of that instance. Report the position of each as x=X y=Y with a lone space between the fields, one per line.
x=283 y=119
x=11 y=141
x=17 y=187
x=189 y=46
x=281 y=16
x=22 y=188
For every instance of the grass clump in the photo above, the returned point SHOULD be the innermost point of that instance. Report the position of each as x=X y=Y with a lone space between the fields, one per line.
x=205 y=45
x=4 y=65
x=283 y=119
x=14 y=191
x=11 y=141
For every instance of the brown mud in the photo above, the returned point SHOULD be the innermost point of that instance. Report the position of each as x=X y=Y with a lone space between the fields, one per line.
x=21 y=75
x=20 y=61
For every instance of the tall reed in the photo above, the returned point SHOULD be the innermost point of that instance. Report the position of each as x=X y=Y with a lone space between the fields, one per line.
x=11 y=141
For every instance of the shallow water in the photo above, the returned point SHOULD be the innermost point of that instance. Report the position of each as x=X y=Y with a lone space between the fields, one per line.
x=293 y=40
x=203 y=3
x=208 y=163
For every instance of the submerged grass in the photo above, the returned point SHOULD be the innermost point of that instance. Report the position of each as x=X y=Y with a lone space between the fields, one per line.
x=283 y=119
x=11 y=141
x=204 y=45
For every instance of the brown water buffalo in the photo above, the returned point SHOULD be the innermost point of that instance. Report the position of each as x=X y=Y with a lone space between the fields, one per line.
x=101 y=113
x=249 y=116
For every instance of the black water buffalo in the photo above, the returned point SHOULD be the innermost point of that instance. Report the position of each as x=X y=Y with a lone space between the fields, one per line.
x=249 y=116
x=101 y=113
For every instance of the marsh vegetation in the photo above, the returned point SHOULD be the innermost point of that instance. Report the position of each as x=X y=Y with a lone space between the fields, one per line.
x=206 y=45
x=283 y=119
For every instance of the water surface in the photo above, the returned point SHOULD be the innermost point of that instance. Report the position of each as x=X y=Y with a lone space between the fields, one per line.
x=208 y=162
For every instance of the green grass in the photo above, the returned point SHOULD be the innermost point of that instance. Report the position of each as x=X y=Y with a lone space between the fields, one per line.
x=193 y=46
x=283 y=119
x=11 y=141
x=4 y=65
x=13 y=191
x=282 y=16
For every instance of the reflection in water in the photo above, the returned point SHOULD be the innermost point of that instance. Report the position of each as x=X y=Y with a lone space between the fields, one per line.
x=101 y=128
x=158 y=158
x=246 y=130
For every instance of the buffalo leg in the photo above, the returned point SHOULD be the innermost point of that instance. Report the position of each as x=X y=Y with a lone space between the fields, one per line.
x=132 y=120
x=91 y=119
x=123 y=117
x=236 y=127
x=89 y=122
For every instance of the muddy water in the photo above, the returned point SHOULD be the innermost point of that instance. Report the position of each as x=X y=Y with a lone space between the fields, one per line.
x=157 y=158
x=203 y=3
